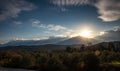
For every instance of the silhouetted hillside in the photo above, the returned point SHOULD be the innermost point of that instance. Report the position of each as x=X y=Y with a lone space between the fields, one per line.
x=114 y=46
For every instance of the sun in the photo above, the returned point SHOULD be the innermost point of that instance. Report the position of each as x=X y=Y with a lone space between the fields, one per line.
x=86 y=33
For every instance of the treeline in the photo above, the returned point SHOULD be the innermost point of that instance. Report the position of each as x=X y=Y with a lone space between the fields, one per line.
x=70 y=59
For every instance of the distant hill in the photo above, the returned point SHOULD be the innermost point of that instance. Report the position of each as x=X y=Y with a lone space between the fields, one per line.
x=47 y=47
x=114 y=46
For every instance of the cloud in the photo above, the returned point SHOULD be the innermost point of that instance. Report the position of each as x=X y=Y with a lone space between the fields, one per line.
x=110 y=35
x=116 y=28
x=109 y=10
x=64 y=9
x=33 y=41
x=17 y=22
x=35 y=38
x=11 y=8
x=36 y=23
x=2 y=42
x=44 y=39
x=72 y=2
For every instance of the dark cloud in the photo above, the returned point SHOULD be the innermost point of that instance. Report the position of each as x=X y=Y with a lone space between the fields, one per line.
x=110 y=35
x=11 y=8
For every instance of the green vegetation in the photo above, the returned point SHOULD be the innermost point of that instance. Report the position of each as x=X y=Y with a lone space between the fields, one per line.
x=71 y=59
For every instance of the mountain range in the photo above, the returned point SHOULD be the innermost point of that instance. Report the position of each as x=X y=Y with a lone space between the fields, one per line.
x=114 y=46
x=56 y=41
x=106 y=37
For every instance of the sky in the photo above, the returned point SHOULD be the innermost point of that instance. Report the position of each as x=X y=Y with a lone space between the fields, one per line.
x=41 y=19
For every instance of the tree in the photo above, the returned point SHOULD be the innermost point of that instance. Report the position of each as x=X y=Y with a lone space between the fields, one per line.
x=82 y=47
x=91 y=62
x=69 y=49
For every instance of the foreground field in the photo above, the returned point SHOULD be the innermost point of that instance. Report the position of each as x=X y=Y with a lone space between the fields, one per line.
x=13 y=69
x=65 y=60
